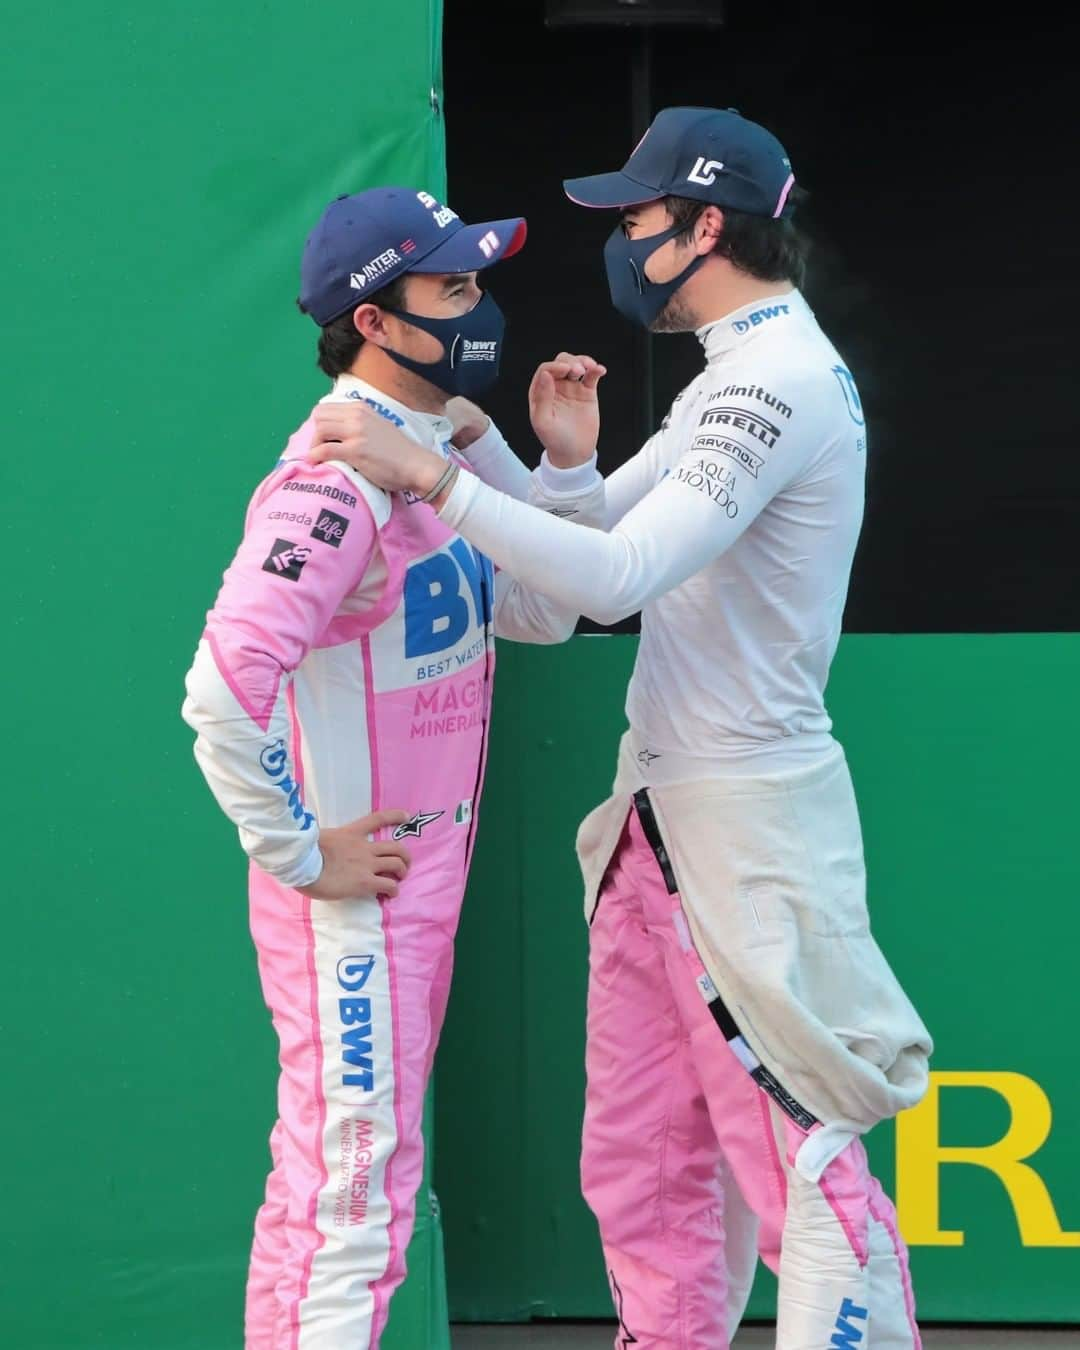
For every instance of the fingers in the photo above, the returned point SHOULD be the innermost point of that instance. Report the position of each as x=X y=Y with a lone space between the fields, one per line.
x=379 y=820
x=335 y=424
x=390 y=849
x=593 y=378
x=577 y=369
x=383 y=888
x=392 y=866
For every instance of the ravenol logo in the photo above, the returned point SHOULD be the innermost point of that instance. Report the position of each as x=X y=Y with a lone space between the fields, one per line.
x=759 y=317
x=847 y=1336
x=437 y=614
x=357 y=1055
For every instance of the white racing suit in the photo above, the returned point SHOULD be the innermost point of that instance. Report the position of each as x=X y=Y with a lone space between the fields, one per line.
x=743 y=1024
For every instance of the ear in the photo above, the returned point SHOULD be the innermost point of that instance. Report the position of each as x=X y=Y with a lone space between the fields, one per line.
x=710 y=227
x=370 y=323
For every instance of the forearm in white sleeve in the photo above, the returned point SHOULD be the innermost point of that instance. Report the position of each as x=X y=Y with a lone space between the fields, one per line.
x=248 y=769
x=493 y=461
x=622 y=489
x=684 y=522
x=524 y=613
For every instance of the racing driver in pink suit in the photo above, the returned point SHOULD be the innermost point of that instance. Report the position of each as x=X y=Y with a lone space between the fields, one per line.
x=340 y=695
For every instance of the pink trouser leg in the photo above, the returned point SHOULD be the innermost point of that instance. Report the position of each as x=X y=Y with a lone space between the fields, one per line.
x=267 y=1255
x=357 y=991
x=650 y=1162
x=661 y=1048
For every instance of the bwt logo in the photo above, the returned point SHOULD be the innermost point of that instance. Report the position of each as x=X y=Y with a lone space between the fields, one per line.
x=759 y=317
x=851 y=395
x=479 y=351
x=847 y=1336
x=380 y=408
x=437 y=614
x=274 y=760
x=353 y=973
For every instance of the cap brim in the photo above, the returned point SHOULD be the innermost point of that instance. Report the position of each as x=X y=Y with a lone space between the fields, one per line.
x=474 y=247
x=609 y=190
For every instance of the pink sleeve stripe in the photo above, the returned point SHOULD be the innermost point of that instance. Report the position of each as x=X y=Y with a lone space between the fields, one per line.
x=260 y=716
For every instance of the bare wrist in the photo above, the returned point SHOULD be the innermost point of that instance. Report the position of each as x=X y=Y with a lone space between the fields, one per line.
x=469 y=434
x=568 y=459
x=428 y=474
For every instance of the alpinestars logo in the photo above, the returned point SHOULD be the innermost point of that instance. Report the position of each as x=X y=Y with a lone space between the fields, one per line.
x=287 y=559
x=412 y=829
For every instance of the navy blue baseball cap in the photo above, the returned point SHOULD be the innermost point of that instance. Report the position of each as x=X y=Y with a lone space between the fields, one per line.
x=367 y=240
x=708 y=154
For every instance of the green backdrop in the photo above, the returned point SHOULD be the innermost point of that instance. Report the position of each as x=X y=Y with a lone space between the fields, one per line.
x=162 y=165
x=963 y=751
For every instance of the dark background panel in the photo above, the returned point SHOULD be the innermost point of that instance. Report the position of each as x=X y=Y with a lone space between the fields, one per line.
x=939 y=157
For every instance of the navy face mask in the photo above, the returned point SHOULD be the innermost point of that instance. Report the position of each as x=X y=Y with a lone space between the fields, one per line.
x=472 y=348
x=632 y=293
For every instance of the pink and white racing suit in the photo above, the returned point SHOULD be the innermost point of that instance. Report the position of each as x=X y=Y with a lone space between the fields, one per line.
x=347 y=667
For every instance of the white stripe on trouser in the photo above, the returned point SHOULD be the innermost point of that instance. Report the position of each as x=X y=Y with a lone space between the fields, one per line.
x=360 y=1134
x=824 y=1290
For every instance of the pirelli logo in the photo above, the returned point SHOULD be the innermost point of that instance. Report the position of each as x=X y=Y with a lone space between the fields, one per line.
x=741 y=419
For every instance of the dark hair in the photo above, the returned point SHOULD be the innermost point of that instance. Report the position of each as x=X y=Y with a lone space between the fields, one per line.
x=771 y=250
x=339 y=342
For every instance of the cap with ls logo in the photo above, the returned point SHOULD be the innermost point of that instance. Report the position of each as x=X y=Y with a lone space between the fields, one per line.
x=708 y=154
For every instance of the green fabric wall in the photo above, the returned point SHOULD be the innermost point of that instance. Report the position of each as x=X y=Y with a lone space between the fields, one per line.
x=162 y=166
